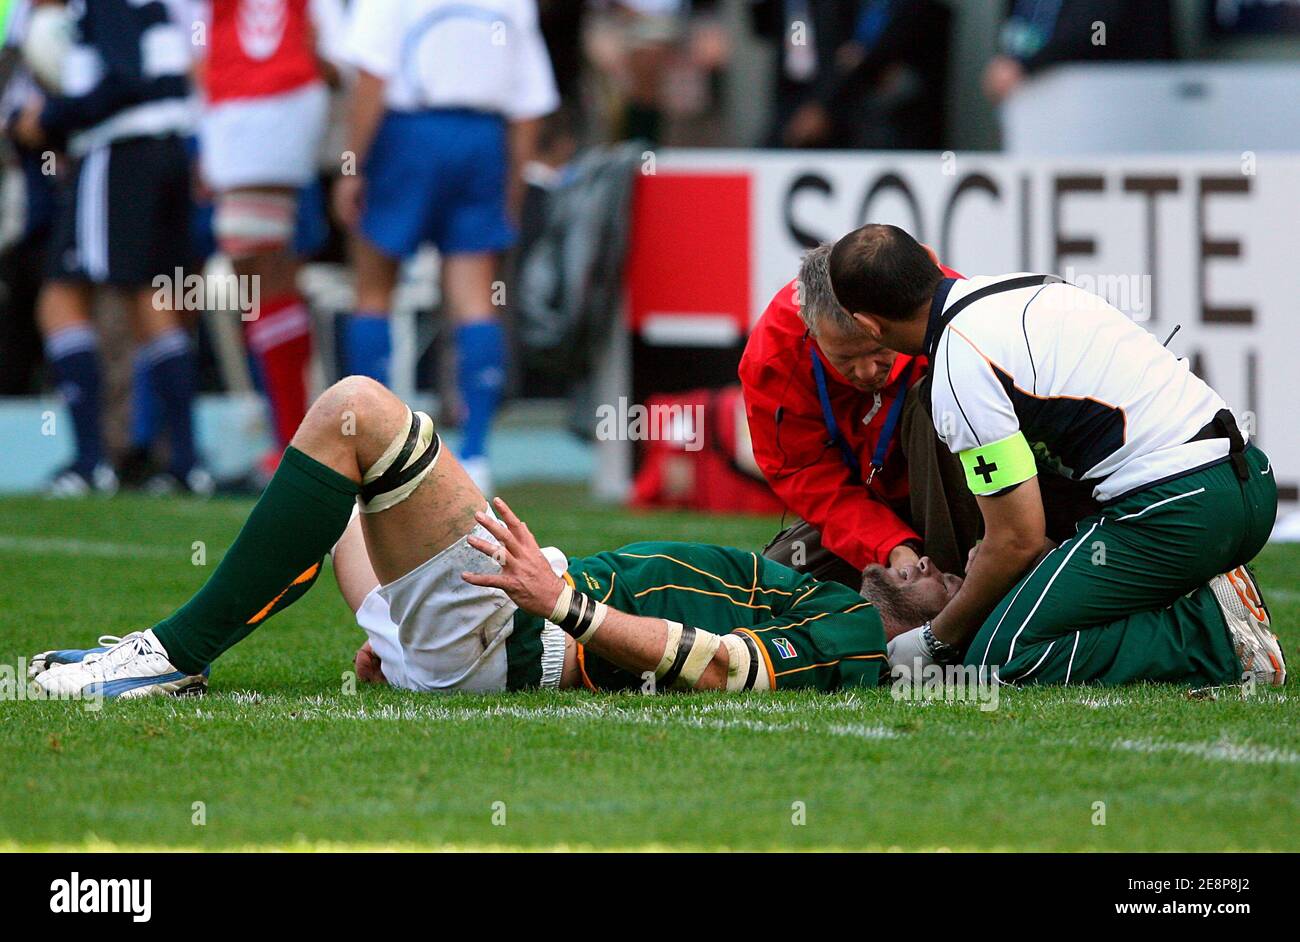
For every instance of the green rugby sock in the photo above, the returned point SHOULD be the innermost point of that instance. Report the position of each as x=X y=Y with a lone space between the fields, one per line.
x=273 y=562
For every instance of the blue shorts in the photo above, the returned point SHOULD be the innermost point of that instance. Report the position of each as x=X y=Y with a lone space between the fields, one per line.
x=437 y=176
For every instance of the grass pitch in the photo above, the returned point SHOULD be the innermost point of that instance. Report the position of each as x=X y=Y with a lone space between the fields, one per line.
x=281 y=755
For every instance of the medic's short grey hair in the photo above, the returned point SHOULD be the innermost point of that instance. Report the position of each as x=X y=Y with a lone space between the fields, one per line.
x=816 y=297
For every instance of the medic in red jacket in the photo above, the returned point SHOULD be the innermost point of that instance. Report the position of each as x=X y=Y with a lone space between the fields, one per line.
x=813 y=475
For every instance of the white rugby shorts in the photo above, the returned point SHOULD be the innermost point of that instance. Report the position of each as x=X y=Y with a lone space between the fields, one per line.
x=435 y=632
x=270 y=141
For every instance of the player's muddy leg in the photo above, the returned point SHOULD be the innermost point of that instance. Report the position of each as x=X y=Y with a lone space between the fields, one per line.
x=350 y=428
x=439 y=513
x=274 y=561
x=421 y=508
x=276 y=558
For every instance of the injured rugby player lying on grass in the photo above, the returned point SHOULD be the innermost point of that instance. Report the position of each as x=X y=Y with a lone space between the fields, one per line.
x=455 y=594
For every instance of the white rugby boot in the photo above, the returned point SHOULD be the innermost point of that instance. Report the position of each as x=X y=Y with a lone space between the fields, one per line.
x=40 y=663
x=1249 y=625
x=137 y=666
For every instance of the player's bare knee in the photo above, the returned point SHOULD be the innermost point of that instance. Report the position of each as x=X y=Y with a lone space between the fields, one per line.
x=349 y=416
x=358 y=405
x=359 y=428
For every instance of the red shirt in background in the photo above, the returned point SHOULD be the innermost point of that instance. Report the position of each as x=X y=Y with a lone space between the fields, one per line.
x=259 y=48
x=859 y=524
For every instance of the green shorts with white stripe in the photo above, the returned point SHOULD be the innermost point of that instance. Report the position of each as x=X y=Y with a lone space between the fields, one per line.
x=1125 y=599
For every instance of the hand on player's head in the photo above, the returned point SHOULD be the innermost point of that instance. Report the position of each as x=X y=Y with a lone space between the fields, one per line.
x=909 y=595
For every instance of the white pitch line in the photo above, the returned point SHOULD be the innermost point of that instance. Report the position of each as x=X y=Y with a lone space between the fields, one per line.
x=687 y=717
x=60 y=546
x=1222 y=751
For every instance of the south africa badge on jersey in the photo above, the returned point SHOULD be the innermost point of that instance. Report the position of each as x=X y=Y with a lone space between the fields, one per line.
x=784 y=648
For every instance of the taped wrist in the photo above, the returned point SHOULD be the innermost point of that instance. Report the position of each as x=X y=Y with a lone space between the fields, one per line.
x=687 y=654
x=578 y=615
x=404 y=464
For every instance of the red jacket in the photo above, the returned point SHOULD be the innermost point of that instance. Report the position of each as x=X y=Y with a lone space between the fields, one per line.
x=860 y=524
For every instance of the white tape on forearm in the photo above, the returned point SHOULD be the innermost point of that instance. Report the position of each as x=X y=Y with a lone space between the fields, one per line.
x=698 y=660
x=670 y=648
x=738 y=659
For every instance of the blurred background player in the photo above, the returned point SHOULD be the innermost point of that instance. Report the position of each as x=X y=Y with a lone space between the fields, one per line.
x=22 y=259
x=121 y=219
x=265 y=83
x=443 y=117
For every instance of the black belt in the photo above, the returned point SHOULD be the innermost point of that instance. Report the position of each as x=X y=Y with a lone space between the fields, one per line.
x=1224 y=425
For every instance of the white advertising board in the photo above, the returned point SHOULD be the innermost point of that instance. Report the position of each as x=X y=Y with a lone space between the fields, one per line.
x=1208 y=244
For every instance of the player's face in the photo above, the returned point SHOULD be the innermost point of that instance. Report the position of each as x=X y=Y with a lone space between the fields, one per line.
x=926 y=583
x=857 y=357
x=910 y=594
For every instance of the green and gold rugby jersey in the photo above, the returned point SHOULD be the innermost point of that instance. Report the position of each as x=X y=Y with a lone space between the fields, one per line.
x=818 y=635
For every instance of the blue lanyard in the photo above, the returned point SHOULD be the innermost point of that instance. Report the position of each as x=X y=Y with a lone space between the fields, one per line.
x=891 y=421
x=832 y=426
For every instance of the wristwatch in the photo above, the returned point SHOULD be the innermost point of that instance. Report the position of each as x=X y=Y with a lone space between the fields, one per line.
x=942 y=652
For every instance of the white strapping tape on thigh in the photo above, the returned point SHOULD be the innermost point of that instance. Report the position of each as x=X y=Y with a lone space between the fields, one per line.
x=402 y=466
x=249 y=222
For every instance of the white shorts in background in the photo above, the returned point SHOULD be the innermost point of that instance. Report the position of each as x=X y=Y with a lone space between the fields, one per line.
x=433 y=631
x=271 y=141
